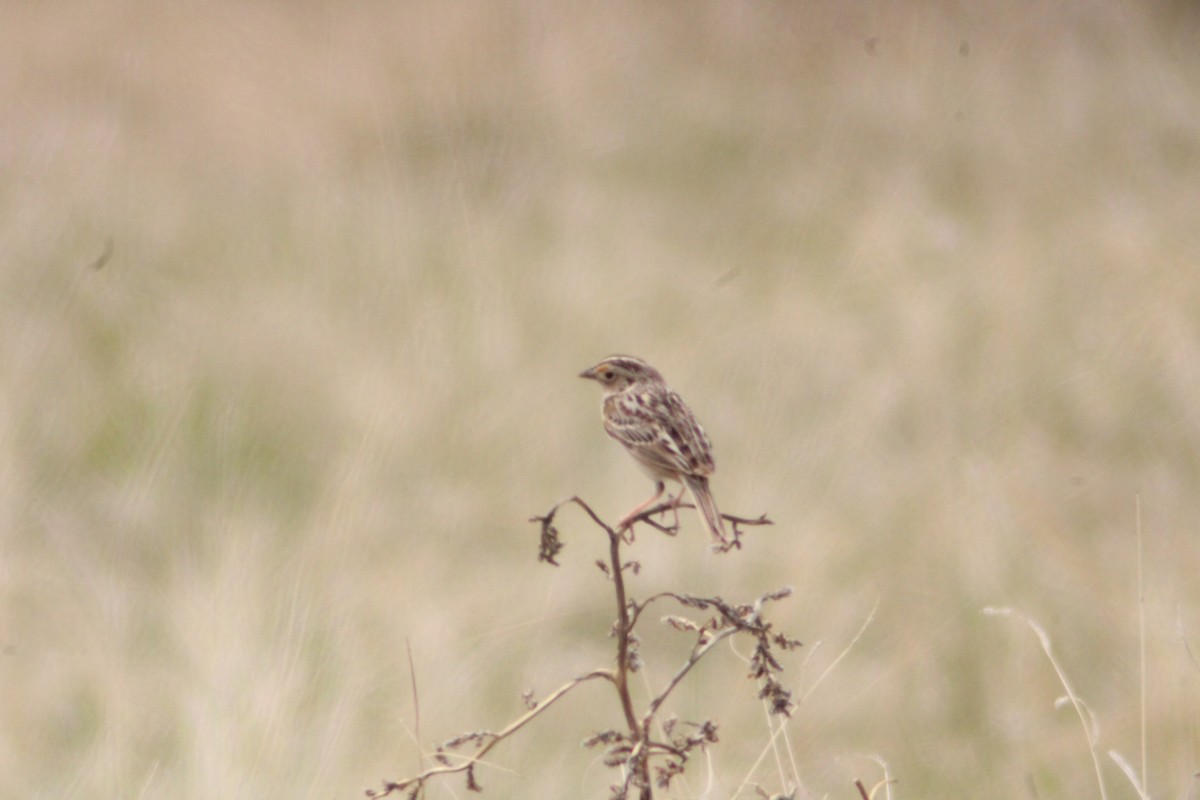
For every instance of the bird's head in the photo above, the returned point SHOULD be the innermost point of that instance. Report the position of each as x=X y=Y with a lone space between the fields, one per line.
x=617 y=373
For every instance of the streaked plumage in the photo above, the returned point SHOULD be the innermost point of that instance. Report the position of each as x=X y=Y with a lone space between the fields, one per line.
x=658 y=429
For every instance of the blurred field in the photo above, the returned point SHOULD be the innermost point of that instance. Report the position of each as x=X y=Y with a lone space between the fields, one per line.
x=929 y=273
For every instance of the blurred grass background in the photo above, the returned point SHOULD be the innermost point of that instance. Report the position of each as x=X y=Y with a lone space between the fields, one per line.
x=927 y=272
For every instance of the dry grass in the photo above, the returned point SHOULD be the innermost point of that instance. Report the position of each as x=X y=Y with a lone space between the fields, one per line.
x=929 y=275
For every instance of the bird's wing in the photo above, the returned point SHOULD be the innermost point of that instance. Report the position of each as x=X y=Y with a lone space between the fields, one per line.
x=687 y=436
x=658 y=429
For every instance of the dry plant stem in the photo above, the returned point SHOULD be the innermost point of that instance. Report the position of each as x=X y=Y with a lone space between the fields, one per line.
x=551 y=545
x=697 y=654
x=639 y=745
x=620 y=677
x=633 y=749
x=493 y=739
x=637 y=735
x=624 y=626
x=862 y=790
x=1086 y=720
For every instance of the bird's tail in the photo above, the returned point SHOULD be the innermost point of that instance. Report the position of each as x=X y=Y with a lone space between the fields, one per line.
x=698 y=486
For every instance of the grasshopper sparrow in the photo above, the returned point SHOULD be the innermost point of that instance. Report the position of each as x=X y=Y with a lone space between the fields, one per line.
x=658 y=429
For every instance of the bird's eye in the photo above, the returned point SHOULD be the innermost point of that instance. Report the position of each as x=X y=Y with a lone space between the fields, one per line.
x=608 y=375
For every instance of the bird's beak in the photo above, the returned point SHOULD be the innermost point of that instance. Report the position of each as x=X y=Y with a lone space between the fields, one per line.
x=589 y=373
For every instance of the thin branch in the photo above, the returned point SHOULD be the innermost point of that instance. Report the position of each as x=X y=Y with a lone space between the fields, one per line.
x=697 y=653
x=551 y=546
x=638 y=608
x=493 y=739
x=833 y=664
x=624 y=627
x=633 y=749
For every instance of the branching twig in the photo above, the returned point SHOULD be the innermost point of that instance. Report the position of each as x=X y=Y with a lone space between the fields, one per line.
x=551 y=545
x=634 y=748
x=488 y=740
x=744 y=619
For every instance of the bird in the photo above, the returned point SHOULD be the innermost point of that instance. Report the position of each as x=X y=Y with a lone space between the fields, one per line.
x=659 y=430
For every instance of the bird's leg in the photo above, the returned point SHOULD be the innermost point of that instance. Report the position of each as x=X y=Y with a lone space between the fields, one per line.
x=627 y=521
x=673 y=504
